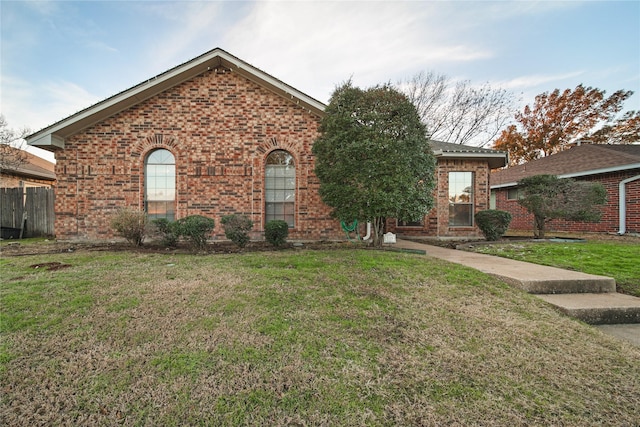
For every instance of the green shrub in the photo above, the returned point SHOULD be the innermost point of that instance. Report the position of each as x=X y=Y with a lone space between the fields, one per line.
x=493 y=223
x=196 y=228
x=236 y=228
x=168 y=231
x=130 y=224
x=276 y=232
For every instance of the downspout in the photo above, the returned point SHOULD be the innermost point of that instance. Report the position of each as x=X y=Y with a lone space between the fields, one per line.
x=368 y=236
x=623 y=203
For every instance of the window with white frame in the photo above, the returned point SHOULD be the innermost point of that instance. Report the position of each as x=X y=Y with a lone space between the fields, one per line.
x=280 y=187
x=160 y=185
x=512 y=194
x=460 y=199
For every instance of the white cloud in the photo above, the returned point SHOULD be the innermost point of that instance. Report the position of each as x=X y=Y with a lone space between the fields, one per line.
x=184 y=25
x=40 y=105
x=314 y=46
x=525 y=82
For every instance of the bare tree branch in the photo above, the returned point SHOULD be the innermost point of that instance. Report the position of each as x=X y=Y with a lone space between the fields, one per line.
x=459 y=113
x=12 y=155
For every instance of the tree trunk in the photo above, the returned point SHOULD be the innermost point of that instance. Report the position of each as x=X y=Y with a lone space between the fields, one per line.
x=538 y=227
x=378 y=230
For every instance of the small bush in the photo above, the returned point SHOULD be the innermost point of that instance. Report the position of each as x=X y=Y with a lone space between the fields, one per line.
x=276 y=232
x=168 y=231
x=196 y=228
x=130 y=224
x=236 y=228
x=493 y=223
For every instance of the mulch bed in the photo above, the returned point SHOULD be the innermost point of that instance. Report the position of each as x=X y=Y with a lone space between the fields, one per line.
x=19 y=249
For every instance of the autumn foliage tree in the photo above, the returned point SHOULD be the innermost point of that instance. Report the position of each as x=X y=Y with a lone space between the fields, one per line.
x=625 y=130
x=559 y=119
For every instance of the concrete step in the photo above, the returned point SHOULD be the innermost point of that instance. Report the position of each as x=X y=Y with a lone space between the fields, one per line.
x=597 y=308
x=532 y=278
x=629 y=332
x=566 y=284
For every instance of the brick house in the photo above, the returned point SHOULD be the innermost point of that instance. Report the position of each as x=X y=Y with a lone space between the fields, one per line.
x=617 y=167
x=217 y=136
x=23 y=169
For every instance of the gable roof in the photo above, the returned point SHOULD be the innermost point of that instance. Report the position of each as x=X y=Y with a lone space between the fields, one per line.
x=53 y=136
x=448 y=150
x=32 y=166
x=582 y=160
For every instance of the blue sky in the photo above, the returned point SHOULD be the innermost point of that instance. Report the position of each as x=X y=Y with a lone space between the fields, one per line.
x=59 y=57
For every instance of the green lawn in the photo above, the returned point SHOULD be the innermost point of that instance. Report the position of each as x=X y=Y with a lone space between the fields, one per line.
x=617 y=259
x=340 y=337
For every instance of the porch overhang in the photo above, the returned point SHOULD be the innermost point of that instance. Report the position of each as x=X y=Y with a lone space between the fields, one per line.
x=495 y=160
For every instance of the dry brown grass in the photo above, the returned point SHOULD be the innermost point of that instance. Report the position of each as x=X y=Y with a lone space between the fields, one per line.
x=296 y=338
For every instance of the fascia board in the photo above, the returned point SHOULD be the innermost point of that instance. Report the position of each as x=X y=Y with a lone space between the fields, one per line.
x=47 y=141
x=603 y=170
x=508 y=184
x=496 y=160
x=580 y=174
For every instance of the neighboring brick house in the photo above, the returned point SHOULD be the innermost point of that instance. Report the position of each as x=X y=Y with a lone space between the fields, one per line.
x=22 y=169
x=213 y=136
x=617 y=167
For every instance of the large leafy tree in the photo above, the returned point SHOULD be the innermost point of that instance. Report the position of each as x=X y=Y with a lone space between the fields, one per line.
x=559 y=119
x=459 y=112
x=548 y=197
x=373 y=157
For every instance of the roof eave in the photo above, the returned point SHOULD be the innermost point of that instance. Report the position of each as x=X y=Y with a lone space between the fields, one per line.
x=20 y=172
x=47 y=141
x=52 y=137
x=495 y=160
x=621 y=168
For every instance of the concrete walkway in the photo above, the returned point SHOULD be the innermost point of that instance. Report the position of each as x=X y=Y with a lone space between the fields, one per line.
x=590 y=298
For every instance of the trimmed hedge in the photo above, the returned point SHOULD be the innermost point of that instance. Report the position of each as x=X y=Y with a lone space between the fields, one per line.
x=493 y=223
x=236 y=228
x=196 y=228
x=276 y=232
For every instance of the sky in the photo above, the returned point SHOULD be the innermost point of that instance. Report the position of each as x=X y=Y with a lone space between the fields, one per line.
x=59 y=57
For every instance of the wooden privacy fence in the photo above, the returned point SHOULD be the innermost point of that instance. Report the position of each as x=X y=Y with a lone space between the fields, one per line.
x=29 y=209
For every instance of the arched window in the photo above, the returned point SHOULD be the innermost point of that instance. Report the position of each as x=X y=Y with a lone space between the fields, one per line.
x=280 y=187
x=160 y=185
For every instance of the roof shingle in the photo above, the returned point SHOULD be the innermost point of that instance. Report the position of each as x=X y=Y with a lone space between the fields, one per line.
x=578 y=161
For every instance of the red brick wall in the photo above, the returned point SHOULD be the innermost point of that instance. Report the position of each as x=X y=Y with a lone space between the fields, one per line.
x=220 y=127
x=436 y=223
x=609 y=223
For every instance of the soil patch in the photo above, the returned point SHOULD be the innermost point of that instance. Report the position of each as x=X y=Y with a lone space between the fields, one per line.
x=50 y=266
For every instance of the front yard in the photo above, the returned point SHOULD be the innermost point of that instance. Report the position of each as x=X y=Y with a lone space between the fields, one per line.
x=338 y=337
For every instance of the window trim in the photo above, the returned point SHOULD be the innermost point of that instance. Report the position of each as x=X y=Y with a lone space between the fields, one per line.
x=147 y=187
x=288 y=208
x=509 y=190
x=471 y=202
